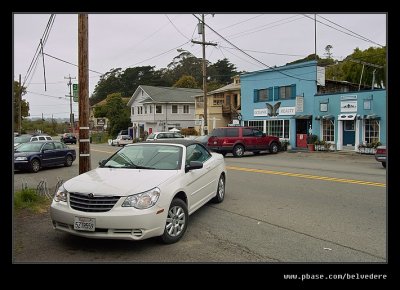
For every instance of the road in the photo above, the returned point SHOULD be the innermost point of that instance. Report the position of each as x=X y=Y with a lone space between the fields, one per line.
x=288 y=207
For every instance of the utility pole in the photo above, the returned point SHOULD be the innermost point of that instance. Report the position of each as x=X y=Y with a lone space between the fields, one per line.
x=83 y=80
x=71 y=115
x=19 y=106
x=204 y=43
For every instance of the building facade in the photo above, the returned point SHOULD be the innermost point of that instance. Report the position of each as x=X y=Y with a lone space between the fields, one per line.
x=223 y=106
x=295 y=101
x=279 y=101
x=348 y=120
x=155 y=109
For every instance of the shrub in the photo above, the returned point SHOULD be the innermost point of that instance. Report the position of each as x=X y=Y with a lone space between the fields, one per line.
x=189 y=131
x=311 y=139
x=28 y=198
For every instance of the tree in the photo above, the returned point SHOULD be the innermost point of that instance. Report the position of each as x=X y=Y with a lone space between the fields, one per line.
x=109 y=83
x=328 y=52
x=222 y=71
x=186 y=81
x=24 y=103
x=117 y=113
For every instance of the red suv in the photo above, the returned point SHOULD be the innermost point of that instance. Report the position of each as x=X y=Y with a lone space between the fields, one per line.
x=237 y=140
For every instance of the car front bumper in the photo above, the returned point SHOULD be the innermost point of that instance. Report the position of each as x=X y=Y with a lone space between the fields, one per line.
x=21 y=165
x=124 y=223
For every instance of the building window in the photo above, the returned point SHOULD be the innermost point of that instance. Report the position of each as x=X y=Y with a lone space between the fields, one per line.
x=371 y=131
x=256 y=124
x=133 y=110
x=186 y=109
x=285 y=92
x=328 y=130
x=138 y=110
x=150 y=109
x=263 y=95
x=367 y=104
x=158 y=109
x=218 y=100
x=174 y=109
x=278 y=128
x=323 y=107
x=145 y=109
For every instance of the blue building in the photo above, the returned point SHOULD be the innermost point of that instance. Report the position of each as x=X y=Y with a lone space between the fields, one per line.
x=349 y=119
x=280 y=101
x=294 y=101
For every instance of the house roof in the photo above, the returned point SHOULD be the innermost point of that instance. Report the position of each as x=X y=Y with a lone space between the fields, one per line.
x=230 y=87
x=166 y=94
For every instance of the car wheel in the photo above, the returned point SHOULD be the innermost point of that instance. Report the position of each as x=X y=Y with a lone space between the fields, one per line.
x=384 y=164
x=220 y=190
x=176 y=222
x=35 y=165
x=238 y=151
x=68 y=161
x=273 y=148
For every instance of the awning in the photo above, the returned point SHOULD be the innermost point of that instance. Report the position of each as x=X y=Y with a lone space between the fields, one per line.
x=328 y=117
x=372 y=117
x=347 y=116
x=302 y=117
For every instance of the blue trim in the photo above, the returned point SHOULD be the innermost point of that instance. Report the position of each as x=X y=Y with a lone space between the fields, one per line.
x=293 y=91
x=350 y=92
x=284 y=67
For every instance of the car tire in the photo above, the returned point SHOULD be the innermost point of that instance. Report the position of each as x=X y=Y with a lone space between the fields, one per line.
x=35 y=165
x=68 y=161
x=238 y=150
x=273 y=148
x=384 y=164
x=176 y=223
x=220 y=190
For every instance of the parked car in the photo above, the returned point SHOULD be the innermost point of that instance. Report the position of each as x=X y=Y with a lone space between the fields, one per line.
x=37 y=154
x=30 y=138
x=122 y=140
x=144 y=190
x=380 y=155
x=237 y=140
x=68 y=138
x=164 y=135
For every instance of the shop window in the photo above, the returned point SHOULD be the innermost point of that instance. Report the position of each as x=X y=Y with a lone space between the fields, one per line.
x=328 y=130
x=371 y=131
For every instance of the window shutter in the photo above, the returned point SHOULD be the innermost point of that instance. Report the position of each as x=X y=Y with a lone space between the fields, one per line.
x=293 y=91
x=255 y=96
x=276 y=93
x=270 y=93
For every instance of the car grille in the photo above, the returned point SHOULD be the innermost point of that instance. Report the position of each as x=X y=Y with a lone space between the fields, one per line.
x=83 y=202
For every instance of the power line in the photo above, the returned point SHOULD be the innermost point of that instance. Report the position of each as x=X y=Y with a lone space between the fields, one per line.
x=70 y=63
x=352 y=35
x=44 y=95
x=240 y=22
x=274 y=53
x=288 y=75
x=176 y=28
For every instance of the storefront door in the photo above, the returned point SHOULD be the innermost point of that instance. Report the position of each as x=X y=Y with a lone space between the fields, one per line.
x=349 y=133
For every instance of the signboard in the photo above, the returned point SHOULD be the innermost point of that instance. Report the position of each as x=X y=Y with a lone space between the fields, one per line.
x=287 y=111
x=299 y=104
x=348 y=106
x=260 y=112
x=198 y=122
x=101 y=122
x=320 y=76
x=75 y=92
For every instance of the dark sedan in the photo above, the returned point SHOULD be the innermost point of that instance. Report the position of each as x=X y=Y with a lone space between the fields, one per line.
x=32 y=156
x=68 y=138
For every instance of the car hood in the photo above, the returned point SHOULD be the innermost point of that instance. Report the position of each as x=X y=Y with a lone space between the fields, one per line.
x=118 y=181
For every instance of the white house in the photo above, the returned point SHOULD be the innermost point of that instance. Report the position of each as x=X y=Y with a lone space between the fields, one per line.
x=156 y=109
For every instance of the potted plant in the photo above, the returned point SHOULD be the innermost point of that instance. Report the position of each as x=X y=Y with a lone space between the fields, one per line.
x=311 y=139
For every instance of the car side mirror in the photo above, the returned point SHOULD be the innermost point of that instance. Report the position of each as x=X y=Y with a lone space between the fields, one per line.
x=193 y=165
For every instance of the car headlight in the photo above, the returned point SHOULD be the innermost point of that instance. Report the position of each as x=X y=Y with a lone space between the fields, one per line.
x=61 y=194
x=21 y=158
x=142 y=200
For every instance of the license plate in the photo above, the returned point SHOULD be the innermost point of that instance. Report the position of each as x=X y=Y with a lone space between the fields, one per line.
x=84 y=224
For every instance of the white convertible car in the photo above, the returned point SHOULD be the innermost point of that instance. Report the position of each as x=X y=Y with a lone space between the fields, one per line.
x=144 y=190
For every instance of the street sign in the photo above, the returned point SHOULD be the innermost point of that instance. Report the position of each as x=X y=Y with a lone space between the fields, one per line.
x=75 y=92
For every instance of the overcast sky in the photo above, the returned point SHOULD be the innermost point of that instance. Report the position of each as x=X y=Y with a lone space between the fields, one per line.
x=129 y=40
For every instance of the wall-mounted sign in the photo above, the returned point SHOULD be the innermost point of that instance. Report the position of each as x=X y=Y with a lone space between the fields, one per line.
x=348 y=106
x=260 y=112
x=323 y=107
x=299 y=104
x=348 y=98
x=287 y=111
x=320 y=75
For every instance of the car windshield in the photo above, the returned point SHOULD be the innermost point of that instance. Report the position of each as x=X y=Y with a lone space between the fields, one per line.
x=29 y=147
x=147 y=156
x=151 y=136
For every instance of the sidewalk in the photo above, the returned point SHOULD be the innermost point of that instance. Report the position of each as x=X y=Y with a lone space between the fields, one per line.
x=340 y=154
